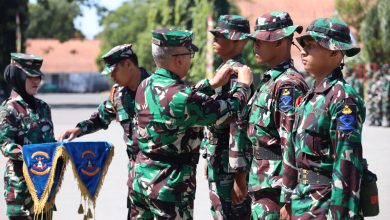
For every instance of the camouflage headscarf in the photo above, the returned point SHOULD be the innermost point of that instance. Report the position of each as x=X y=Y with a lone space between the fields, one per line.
x=232 y=27
x=274 y=26
x=332 y=34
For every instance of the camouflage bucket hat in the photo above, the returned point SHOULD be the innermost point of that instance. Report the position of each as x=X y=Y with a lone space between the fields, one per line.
x=232 y=27
x=114 y=56
x=332 y=34
x=173 y=38
x=274 y=26
x=30 y=64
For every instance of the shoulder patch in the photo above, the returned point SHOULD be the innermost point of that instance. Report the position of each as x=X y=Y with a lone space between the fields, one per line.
x=346 y=117
x=286 y=99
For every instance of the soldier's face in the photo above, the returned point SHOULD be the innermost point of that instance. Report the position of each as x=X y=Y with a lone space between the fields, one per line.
x=223 y=46
x=314 y=57
x=121 y=74
x=265 y=51
x=32 y=85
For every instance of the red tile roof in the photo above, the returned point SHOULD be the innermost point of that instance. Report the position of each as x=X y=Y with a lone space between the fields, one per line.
x=73 y=56
x=301 y=11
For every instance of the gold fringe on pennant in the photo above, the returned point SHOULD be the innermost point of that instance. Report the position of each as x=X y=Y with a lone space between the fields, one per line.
x=84 y=191
x=42 y=205
x=80 y=210
x=89 y=214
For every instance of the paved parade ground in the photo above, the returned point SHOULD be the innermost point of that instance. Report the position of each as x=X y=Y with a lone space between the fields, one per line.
x=68 y=109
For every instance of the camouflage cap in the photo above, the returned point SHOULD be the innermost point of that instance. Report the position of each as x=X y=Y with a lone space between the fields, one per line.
x=331 y=33
x=232 y=27
x=173 y=38
x=274 y=26
x=115 y=55
x=29 y=63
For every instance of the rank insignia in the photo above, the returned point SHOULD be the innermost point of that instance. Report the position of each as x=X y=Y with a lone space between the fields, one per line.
x=286 y=99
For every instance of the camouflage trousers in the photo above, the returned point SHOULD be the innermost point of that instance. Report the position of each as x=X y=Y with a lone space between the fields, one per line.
x=221 y=199
x=17 y=196
x=266 y=204
x=129 y=185
x=145 y=208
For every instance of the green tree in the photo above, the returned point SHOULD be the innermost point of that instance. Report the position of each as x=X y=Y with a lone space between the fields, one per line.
x=119 y=27
x=54 y=19
x=374 y=33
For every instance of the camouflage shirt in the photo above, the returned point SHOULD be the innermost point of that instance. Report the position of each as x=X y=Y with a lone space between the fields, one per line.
x=327 y=139
x=119 y=106
x=170 y=115
x=218 y=138
x=20 y=125
x=270 y=119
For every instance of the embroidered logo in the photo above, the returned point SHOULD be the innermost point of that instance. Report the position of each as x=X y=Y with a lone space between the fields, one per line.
x=347 y=119
x=40 y=166
x=89 y=168
x=286 y=100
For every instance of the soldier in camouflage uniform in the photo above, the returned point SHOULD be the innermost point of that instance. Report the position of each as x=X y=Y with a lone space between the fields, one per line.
x=230 y=39
x=122 y=65
x=369 y=97
x=170 y=116
x=385 y=95
x=377 y=99
x=24 y=119
x=325 y=183
x=272 y=108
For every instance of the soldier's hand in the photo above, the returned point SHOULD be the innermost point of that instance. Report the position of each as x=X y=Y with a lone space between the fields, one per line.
x=244 y=74
x=285 y=212
x=69 y=134
x=240 y=189
x=221 y=77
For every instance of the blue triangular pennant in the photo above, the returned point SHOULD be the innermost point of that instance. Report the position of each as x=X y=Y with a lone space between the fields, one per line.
x=43 y=170
x=90 y=161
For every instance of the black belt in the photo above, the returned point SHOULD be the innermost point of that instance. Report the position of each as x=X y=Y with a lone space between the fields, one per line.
x=313 y=177
x=267 y=153
x=180 y=159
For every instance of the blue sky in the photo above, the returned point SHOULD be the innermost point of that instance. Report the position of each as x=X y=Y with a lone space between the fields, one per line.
x=88 y=23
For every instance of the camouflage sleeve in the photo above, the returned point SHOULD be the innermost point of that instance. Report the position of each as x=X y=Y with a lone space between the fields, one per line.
x=239 y=143
x=98 y=120
x=8 y=135
x=346 y=136
x=203 y=110
x=289 y=97
x=204 y=87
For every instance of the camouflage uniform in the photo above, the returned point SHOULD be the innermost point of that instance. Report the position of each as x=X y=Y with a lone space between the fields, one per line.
x=325 y=182
x=385 y=95
x=119 y=106
x=369 y=97
x=220 y=138
x=167 y=109
x=377 y=100
x=22 y=124
x=271 y=116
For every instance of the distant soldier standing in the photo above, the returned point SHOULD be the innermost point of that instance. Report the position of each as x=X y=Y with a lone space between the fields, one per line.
x=24 y=119
x=227 y=171
x=272 y=112
x=170 y=116
x=327 y=131
x=121 y=63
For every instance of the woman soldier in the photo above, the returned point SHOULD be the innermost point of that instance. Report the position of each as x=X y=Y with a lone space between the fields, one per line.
x=24 y=119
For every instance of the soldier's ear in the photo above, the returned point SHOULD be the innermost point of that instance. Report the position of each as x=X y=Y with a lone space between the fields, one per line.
x=334 y=53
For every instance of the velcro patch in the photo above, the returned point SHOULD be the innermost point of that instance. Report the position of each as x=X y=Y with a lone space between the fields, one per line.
x=286 y=99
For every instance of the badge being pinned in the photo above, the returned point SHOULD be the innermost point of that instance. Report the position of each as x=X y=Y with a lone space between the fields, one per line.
x=43 y=169
x=346 y=119
x=286 y=99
